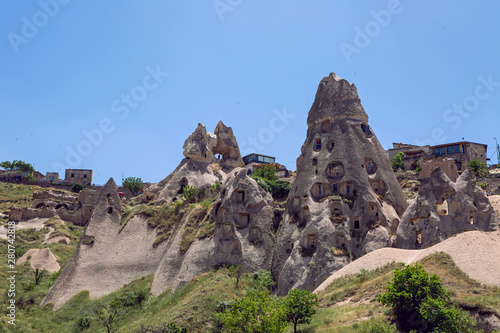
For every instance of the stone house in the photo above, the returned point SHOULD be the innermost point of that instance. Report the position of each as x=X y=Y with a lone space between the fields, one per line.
x=461 y=152
x=81 y=176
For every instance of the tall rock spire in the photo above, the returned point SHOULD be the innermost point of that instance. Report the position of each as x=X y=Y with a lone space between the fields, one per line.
x=345 y=201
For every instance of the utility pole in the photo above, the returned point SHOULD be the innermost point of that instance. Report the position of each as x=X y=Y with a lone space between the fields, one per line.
x=498 y=151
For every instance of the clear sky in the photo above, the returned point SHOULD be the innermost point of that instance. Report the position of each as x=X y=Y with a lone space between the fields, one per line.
x=117 y=86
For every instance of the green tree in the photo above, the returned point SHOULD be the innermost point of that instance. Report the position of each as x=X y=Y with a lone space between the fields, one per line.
x=266 y=171
x=18 y=165
x=417 y=299
x=300 y=306
x=478 y=168
x=255 y=313
x=108 y=314
x=77 y=187
x=397 y=161
x=133 y=184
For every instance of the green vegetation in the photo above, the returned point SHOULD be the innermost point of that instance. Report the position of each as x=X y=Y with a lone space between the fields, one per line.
x=254 y=313
x=419 y=167
x=77 y=187
x=189 y=192
x=266 y=177
x=397 y=161
x=420 y=302
x=18 y=165
x=133 y=184
x=478 y=168
x=300 y=306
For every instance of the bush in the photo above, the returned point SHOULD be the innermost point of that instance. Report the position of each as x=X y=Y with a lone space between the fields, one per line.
x=279 y=189
x=397 y=161
x=84 y=322
x=256 y=312
x=266 y=172
x=76 y=188
x=421 y=302
x=478 y=168
x=188 y=192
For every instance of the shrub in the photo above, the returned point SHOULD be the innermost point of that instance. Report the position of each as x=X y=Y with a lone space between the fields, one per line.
x=188 y=192
x=397 y=161
x=279 y=189
x=77 y=187
x=256 y=312
x=419 y=301
x=266 y=171
x=478 y=168
x=84 y=322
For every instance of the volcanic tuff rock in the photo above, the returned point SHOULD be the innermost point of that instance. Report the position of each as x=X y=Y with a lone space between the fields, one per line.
x=345 y=198
x=207 y=157
x=243 y=215
x=109 y=256
x=443 y=209
x=105 y=258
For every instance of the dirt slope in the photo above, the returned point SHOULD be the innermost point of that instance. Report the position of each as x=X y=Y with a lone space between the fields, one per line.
x=476 y=253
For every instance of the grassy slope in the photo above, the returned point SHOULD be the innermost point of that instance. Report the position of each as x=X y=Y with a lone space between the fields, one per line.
x=344 y=306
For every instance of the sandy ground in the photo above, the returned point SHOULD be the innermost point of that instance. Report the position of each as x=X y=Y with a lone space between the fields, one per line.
x=37 y=224
x=476 y=253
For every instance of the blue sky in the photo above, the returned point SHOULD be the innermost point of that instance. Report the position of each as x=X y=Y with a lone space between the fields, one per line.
x=117 y=86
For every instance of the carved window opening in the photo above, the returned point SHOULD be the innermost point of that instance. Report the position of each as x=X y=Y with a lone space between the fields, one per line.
x=243 y=220
x=317 y=145
x=330 y=145
x=110 y=210
x=356 y=223
x=418 y=238
x=311 y=241
x=227 y=231
x=239 y=196
x=335 y=169
x=314 y=162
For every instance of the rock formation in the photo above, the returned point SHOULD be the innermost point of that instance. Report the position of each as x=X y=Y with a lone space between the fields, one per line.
x=207 y=157
x=110 y=255
x=443 y=209
x=243 y=215
x=107 y=258
x=345 y=200
x=42 y=259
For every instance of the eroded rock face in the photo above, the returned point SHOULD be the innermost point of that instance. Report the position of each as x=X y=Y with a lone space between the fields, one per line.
x=227 y=147
x=107 y=258
x=345 y=198
x=243 y=223
x=243 y=215
x=443 y=209
x=208 y=157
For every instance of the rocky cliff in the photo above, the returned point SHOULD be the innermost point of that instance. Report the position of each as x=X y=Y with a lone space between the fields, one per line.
x=345 y=201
